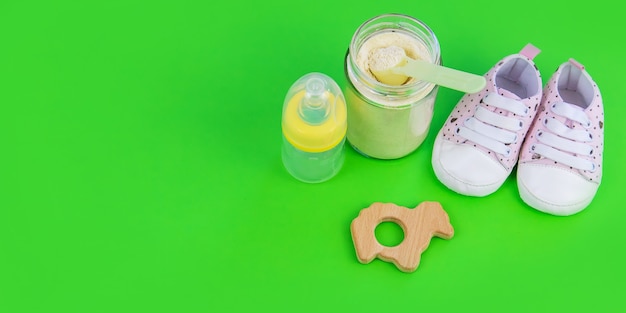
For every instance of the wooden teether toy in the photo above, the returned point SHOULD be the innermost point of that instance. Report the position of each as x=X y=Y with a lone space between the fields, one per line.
x=428 y=219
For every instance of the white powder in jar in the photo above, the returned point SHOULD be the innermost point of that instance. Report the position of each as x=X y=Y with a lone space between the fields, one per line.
x=368 y=56
x=388 y=127
x=383 y=60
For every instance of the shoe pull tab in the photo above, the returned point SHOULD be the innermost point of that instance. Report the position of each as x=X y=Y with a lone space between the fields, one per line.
x=530 y=51
x=577 y=64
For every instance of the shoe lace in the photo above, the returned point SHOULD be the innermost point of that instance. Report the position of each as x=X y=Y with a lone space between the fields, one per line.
x=564 y=144
x=492 y=130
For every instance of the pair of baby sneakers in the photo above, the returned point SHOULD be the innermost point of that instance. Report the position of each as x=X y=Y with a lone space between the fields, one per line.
x=554 y=135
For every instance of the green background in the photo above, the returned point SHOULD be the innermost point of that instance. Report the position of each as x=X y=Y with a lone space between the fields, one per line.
x=141 y=171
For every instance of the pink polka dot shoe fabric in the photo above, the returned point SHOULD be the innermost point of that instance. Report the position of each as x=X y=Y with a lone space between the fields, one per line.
x=467 y=107
x=595 y=112
x=514 y=77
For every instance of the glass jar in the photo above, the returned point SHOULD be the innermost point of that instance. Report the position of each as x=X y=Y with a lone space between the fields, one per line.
x=389 y=122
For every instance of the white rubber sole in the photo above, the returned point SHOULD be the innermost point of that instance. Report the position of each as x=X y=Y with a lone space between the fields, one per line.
x=457 y=185
x=543 y=205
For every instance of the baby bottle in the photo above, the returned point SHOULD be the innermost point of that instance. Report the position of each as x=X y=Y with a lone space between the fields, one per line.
x=314 y=128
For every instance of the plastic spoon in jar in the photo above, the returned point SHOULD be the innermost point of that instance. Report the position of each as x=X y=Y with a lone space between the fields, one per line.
x=393 y=67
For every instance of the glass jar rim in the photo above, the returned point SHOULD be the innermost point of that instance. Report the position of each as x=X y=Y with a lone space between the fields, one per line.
x=434 y=49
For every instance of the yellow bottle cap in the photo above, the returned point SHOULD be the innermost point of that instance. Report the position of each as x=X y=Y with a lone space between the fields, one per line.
x=314 y=114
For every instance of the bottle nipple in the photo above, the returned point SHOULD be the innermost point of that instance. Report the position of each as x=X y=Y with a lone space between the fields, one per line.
x=314 y=107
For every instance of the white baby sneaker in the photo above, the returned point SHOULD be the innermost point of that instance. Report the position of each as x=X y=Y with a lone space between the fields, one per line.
x=560 y=166
x=479 y=144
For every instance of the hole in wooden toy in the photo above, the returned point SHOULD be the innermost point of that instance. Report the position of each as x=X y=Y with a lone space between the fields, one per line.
x=389 y=234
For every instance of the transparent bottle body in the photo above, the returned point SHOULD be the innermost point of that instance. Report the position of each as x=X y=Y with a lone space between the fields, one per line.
x=312 y=167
